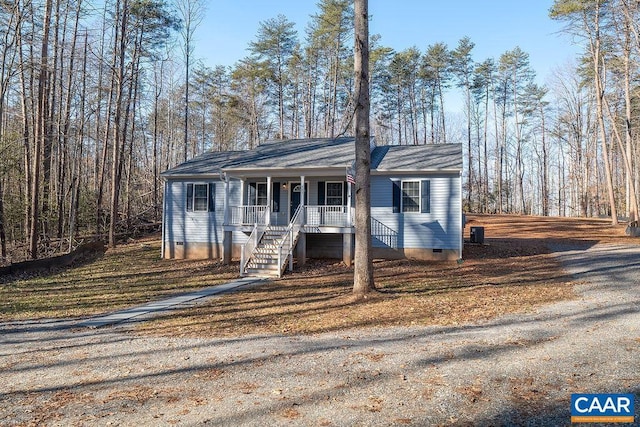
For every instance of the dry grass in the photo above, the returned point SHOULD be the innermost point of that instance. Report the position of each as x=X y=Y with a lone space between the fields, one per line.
x=122 y=277
x=513 y=272
x=318 y=298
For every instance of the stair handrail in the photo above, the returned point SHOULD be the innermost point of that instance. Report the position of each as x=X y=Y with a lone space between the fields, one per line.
x=288 y=239
x=250 y=245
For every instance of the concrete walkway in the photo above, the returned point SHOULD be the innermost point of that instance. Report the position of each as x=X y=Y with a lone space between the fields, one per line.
x=180 y=301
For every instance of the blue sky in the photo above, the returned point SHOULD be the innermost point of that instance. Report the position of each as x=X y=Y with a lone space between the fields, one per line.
x=495 y=26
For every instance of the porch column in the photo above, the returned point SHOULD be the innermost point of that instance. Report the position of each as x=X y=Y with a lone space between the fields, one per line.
x=302 y=240
x=226 y=200
x=227 y=247
x=347 y=249
x=269 y=201
x=349 y=203
x=227 y=236
x=301 y=248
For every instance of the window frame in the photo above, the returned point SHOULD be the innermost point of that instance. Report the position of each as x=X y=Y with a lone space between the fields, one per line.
x=327 y=196
x=265 y=196
x=398 y=196
x=254 y=199
x=209 y=197
x=403 y=193
x=200 y=198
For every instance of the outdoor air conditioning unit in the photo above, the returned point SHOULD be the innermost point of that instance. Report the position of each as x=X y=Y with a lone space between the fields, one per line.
x=476 y=235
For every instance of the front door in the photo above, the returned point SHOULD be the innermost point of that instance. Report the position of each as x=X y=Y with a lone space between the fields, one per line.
x=295 y=197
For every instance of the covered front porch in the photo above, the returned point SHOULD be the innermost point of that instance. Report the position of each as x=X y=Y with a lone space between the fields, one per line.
x=326 y=201
x=285 y=209
x=327 y=218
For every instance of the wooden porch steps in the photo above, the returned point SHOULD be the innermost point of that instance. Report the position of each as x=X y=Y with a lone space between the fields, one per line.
x=264 y=259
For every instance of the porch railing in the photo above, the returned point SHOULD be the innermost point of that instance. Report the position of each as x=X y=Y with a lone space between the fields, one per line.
x=249 y=215
x=336 y=216
x=251 y=243
x=386 y=235
x=314 y=216
x=285 y=248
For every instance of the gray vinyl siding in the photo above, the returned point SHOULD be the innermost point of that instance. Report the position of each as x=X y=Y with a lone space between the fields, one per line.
x=198 y=227
x=441 y=228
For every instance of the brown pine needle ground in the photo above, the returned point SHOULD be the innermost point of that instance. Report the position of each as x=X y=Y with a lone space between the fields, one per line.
x=513 y=272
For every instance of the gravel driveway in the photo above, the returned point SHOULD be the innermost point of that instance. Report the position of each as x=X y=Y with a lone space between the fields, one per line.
x=515 y=370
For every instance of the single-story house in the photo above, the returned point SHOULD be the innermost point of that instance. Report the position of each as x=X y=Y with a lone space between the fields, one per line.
x=295 y=199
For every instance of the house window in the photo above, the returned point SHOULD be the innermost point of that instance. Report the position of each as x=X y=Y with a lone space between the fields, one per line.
x=257 y=194
x=201 y=197
x=261 y=194
x=410 y=196
x=334 y=194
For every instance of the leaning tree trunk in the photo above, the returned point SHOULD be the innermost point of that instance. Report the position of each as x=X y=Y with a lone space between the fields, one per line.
x=598 y=79
x=363 y=274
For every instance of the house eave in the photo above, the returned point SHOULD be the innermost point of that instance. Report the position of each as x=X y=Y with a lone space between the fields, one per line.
x=199 y=176
x=243 y=173
x=239 y=173
x=412 y=171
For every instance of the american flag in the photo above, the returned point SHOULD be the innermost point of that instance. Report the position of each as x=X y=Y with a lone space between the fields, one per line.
x=351 y=176
x=351 y=179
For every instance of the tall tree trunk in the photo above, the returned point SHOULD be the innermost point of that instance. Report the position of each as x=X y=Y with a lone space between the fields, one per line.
x=11 y=36
x=52 y=92
x=363 y=272
x=101 y=155
x=598 y=78
x=467 y=90
x=442 y=115
x=191 y=13
x=78 y=169
x=518 y=129
x=131 y=112
x=119 y=133
x=27 y=121
x=626 y=159
x=158 y=93
x=485 y=136
x=66 y=123
x=632 y=202
x=40 y=132
x=545 y=166
x=334 y=83
x=186 y=105
x=3 y=237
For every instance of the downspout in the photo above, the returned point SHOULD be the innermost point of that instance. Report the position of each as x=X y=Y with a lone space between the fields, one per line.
x=302 y=197
x=269 y=197
x=460 y=216
x=164 y=226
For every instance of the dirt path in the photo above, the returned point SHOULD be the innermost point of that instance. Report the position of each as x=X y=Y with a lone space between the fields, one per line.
x=514 y=370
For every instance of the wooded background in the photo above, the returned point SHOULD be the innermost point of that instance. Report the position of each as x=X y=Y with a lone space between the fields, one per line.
x=97 y=99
